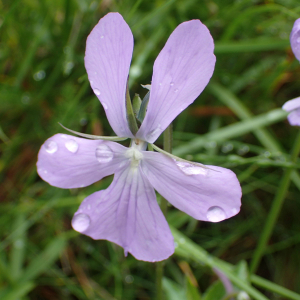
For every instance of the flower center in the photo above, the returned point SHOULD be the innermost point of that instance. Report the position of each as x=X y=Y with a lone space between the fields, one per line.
x=134 y=153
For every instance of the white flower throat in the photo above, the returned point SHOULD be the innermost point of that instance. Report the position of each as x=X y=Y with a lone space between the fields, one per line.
x=134 y=153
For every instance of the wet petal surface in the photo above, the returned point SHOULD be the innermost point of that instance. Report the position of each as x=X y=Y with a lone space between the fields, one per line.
x=66 y=161
x=127 y=214
x=212 y=194
x=107 y=60
x=180 y=73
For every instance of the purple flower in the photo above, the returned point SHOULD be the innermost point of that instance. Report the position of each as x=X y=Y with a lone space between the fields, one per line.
x=293 y=107
x=127 y=212
x=295 y=39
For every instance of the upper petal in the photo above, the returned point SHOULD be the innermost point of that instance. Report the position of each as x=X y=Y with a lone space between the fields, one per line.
x=66 y=161
x=107 y=60
x=127 y=214
x=295 y=39
x=212 y=194
x=180 y=73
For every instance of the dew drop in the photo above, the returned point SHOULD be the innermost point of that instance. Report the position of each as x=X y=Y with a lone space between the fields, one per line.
x=172 y=83
x=176 y=90
x=227 y=147
x=19 y=244
x=104 y=154
x=129 y=279
x=243 y=150
x=234 y=211
x=71 y=145
x=97 y=92
x=160 y=84
x=81 y=222
x=102 y=36
x=215 y=214
x=104 y=105
x=190 y=169
x=182 y=240
x=51 y=146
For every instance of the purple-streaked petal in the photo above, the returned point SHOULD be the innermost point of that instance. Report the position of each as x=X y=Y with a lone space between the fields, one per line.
x=68 y=162
x=295 y=39
x=107 y=60
x=212 y=194
x=180 y=73
x=294 y=117
x=291 y=104
x=127 y=213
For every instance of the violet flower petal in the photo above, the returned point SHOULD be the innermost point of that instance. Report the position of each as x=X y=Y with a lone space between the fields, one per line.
x=127 y=213
x=295 y=39
x=180 y=73
x=294 y=117
x=107 y=60
x=69 y=162
x=291 y=104
x=205 y=194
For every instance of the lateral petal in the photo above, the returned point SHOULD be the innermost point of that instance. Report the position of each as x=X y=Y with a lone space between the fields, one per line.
x=107 y=60
x=127 y=213
x=208 y=194
x=180 y=73
x=67 y=161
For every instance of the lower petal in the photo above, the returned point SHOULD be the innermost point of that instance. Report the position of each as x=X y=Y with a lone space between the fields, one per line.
x=127 y=214
x=208 y=194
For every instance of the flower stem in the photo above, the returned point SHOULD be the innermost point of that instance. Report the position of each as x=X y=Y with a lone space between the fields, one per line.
x=163 y=206
x=275 y=209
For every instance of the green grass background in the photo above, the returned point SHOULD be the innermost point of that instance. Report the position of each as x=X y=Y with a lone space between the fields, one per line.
x=236 y=123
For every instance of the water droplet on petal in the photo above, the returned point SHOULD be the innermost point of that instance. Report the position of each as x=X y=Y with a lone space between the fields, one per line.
x=51 y=146
x=96 y=91
x=234 y=211
x=71 y=145
x=81 y=222
x=172 y=83
x=215 y=214
x=160 y=84
x=102 y=36
x=191 y=169
x=104 y=154
x=176 y=90
x=104 y=105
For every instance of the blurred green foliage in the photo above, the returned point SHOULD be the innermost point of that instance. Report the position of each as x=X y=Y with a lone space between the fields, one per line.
x=234 y=123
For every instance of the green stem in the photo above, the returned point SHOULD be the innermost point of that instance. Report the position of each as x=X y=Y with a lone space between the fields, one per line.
x=275 y=209
x=163 y=206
